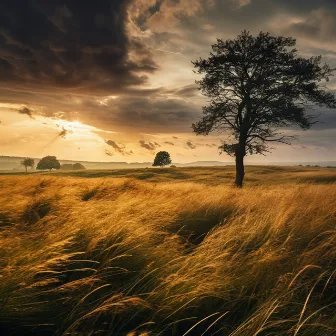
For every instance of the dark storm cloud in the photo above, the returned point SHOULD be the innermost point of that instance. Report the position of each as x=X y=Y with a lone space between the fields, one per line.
x=118 y=148
x=63 y=55
x=26 y=111
x=311 y=22
x=315 y=137
x=63 y=44
x=148 y=114
x=226 y=18
x=142 y=111
x=186 y=91
x=325 y=119
x=190 y=145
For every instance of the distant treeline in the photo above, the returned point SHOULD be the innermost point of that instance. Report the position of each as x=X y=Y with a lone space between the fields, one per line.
x=75 y=166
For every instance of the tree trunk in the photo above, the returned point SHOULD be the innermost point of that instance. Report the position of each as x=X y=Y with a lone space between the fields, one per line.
x=240 y=172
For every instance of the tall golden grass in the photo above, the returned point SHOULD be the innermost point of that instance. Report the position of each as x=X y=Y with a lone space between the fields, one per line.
x=107 y=256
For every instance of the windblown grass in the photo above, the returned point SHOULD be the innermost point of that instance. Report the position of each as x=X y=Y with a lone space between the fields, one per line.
x=126 y=256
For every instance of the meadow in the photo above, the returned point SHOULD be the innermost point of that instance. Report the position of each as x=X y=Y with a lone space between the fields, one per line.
x=172 y=251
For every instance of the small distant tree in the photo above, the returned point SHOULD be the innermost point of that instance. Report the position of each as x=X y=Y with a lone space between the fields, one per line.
x=28 y=162
x=48 y=163
x=66 y=166
x=78 y=166
x=256 y=86
x=70 y=166
x=162 y=159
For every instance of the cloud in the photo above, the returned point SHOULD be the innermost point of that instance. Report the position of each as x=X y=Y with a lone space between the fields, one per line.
x=125 y=65
x=153 y=112
x=169 y=143
x=107 y=152
x=26 y=111
x=148 y=145
x=190 y=145
x=118 y=148
x=63 y=133
x=316 y=29
x=187 y=91
x=142 y=110
x=77 y=46
x=164 y=15
x=242 y=3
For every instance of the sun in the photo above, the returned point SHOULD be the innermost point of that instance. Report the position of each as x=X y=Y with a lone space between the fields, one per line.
x=73 y=125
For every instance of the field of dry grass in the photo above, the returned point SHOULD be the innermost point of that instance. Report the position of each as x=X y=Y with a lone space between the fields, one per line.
x=175 y=251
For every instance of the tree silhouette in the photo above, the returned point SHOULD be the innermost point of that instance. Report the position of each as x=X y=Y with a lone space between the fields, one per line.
x=78 y=166
x=162 y=159
x=28 y=162
x=48 y=162
x=70 y=166
x=256 y=86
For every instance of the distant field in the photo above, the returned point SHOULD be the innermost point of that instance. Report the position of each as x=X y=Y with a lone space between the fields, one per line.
x=255 y=175
x=172 y=251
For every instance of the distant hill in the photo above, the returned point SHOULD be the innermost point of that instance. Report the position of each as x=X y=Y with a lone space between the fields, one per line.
x=204 y=164
x=13 y=163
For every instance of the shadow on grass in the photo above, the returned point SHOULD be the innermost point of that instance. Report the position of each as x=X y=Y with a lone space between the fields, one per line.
x=5 y=221
x=319 y=179
x=87 y=195
x=194 y=226
x=36 y=211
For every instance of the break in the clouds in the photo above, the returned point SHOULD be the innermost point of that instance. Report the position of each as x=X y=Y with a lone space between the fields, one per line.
x=125 y=65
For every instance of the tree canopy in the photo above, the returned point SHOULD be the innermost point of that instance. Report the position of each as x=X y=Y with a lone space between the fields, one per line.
x=256 y=86
x=162 y=158
x=48 y=163
x=28 y=162
x=70 y=166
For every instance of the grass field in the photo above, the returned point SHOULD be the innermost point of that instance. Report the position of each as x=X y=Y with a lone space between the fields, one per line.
x=175 y=251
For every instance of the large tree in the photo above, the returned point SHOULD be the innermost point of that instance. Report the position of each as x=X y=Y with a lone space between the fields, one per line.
x=48 y=163
x=255 y=86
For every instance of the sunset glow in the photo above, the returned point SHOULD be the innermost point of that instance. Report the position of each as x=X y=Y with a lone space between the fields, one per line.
x=137 y=84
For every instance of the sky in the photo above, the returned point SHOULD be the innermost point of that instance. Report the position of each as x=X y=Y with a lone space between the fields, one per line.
x=113 y=80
